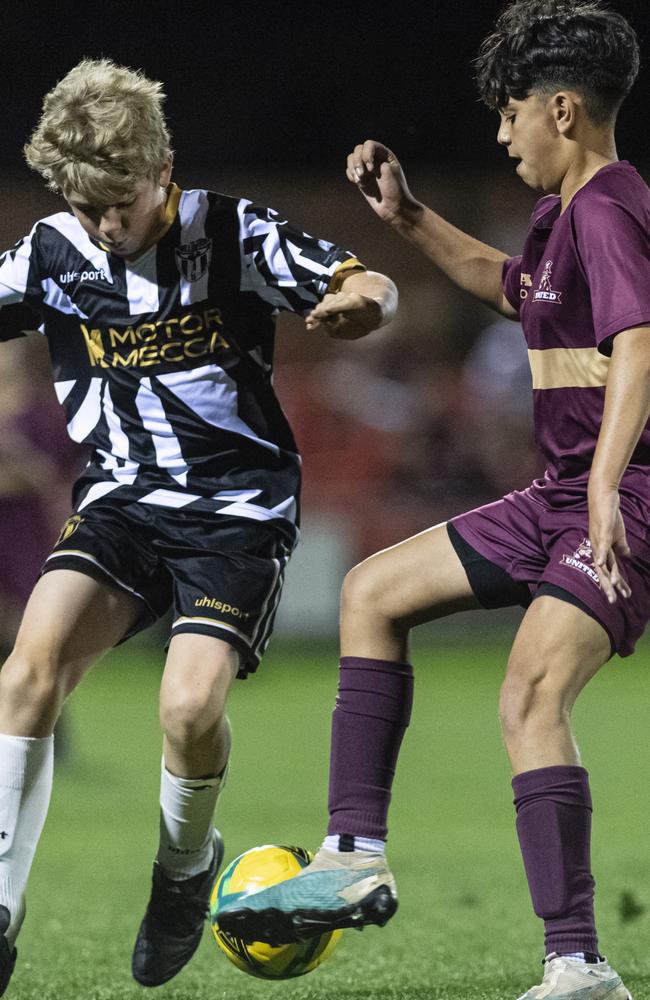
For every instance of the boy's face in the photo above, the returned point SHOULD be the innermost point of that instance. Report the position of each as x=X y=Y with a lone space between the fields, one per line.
x=529 y=132
x=130 y=225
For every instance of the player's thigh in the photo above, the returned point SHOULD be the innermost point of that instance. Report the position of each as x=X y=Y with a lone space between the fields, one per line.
x=559 y=647
x=418 y=580
x=199 y=671
x=72 y=618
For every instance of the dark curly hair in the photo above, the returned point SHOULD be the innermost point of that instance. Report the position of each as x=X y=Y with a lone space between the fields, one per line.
x=545 y=45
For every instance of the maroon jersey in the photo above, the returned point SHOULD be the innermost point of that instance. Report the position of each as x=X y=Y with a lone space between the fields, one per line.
x=583 y=277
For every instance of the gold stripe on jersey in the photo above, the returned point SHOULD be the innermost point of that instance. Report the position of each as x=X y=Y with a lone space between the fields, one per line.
x=342 y=272
x=568 y=367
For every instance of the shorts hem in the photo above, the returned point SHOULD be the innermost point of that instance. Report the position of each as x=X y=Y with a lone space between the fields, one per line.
x=220 y=630
x=552 y=588
x=82 y=562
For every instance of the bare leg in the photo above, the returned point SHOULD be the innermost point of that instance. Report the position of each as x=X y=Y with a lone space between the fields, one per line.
x=70 y=619
x=197 y=678
x=196 y=745
x=558 y=649
x=417 y=581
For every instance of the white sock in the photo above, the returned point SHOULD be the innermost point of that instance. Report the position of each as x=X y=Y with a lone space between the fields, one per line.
x=579 y=956
x=186 y=809
x=332 y=843
x=26 y=771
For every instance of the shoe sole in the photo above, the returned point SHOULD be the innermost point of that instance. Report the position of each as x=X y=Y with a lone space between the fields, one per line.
x=277 y=927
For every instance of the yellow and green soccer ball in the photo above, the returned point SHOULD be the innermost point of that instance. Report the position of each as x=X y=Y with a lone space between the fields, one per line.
x=257 y=869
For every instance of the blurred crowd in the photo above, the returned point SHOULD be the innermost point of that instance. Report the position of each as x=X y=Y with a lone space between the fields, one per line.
x=394 y=440
x=37 y=465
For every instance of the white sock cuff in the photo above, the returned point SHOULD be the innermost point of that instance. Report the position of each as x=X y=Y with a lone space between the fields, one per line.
x=215 y=781
x=21 y=757
x=369 y=844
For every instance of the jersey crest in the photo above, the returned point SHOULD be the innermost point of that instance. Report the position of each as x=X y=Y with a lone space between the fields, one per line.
x=193 y=259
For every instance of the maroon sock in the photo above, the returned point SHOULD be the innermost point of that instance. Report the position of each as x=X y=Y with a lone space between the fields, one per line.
x=372 y=711
x=554 y=827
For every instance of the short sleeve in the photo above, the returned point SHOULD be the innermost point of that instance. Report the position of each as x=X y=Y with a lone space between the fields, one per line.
x=613 y=246
x=287 y=268
x=17 y=301
x=511 y=281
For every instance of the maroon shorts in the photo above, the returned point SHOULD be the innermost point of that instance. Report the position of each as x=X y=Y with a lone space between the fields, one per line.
x=546 y=547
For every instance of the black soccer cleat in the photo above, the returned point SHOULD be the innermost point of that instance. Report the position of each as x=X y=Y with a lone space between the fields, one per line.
x=7 y=954
x=172 y=927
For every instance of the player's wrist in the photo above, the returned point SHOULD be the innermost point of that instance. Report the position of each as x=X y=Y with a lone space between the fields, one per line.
x=407 y=216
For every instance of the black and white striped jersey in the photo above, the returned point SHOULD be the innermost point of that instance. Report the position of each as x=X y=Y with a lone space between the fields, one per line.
x=164 y=363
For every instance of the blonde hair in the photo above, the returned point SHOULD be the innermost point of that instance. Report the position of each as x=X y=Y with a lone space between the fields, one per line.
x=102 y=130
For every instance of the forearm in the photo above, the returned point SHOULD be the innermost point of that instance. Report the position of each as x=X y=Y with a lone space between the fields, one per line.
x=472 y=265
x=377 y=288
x=627 y=408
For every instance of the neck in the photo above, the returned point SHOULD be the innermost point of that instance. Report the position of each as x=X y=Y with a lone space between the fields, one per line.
x=587 y=163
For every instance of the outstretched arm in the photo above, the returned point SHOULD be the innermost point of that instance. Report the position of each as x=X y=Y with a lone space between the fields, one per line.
x=366 y=301
x=473 y=266
x=627 y=409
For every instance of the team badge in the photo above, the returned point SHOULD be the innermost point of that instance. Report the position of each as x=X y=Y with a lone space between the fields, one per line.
x=69 y=528
x=193 y=259
x=582 y=560
x=545 y=292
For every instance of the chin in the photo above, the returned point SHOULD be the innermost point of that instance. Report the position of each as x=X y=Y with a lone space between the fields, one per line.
x=529 y=179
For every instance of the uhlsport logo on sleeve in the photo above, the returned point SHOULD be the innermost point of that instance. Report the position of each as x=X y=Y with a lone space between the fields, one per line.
x=193 y=259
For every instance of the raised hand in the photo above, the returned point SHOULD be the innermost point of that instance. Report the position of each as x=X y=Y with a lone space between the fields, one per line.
x=377 y=173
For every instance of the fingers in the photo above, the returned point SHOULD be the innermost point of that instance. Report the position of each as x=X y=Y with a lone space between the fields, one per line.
x=365 y=159
x=611 y=579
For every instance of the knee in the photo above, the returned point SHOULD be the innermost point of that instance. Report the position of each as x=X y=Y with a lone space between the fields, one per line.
x=529 y=699
x=30 y=676
x=365 y=592
x=190 y=712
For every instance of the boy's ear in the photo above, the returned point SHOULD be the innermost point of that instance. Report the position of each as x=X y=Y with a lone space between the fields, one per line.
x=564 y=108
x=166 y=172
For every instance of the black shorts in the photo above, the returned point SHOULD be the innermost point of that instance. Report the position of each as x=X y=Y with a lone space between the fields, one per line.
x=221 y=575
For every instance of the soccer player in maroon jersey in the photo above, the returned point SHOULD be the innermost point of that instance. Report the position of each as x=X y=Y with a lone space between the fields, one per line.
x=573 y=548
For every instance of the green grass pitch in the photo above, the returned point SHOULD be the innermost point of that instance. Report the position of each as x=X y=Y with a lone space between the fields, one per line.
x=464 y=929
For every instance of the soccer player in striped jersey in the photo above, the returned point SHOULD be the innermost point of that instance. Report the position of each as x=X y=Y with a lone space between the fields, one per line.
x=573 y=548
x=159 y=307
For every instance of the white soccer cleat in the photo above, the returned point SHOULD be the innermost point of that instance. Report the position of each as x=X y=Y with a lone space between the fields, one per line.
x=570 y=979
x=335 y=890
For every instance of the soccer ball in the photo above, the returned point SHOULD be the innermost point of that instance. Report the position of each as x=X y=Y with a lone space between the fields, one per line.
x=257 y=869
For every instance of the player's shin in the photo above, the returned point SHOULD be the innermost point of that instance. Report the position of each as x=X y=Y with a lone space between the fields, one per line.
x=348 y=884
x=187 y=808
x=373 y=709
x=26 y=771
x=554 y=828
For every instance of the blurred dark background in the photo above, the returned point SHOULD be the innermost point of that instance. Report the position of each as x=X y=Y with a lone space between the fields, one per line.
x=420 y=421
x=284 y=84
